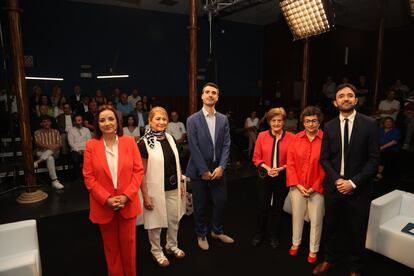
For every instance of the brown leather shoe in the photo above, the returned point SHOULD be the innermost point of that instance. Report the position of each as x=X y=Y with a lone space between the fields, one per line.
x=322 y=268
x=355 y=274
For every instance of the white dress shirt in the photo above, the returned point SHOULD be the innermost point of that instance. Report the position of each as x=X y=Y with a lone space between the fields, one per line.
x=176 y=129
x=211 y=123
x=77 y=138
x=68 y=123
x=351 y=119
x=112 y=158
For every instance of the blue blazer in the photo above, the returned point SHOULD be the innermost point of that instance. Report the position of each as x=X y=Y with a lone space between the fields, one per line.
x=201 y=145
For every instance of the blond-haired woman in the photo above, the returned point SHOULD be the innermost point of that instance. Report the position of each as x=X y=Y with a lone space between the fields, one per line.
x=270 y=155
x=163 y=188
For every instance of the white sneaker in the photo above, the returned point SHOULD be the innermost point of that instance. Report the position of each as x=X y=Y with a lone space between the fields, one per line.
x=57 y=185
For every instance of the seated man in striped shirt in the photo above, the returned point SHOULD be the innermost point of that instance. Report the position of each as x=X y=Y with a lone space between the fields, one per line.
x=48 y=144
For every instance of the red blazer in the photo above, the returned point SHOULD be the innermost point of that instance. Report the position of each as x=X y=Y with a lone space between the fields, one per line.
x=265 y=143
x=303 y=165
x=98 y=179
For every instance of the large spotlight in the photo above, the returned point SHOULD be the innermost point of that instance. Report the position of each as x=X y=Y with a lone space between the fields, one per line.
x=305 y=17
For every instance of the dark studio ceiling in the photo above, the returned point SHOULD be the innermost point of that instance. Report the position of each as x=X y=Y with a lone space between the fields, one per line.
x=358 y=14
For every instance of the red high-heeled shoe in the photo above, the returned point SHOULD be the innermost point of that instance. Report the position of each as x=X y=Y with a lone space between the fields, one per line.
x=312 y=259
x=293 y=252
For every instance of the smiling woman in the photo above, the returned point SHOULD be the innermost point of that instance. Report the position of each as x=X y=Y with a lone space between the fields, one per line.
x=113 y=172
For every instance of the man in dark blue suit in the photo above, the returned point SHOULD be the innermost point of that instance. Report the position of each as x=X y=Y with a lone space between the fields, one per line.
x=209 y=142
x=349 y=156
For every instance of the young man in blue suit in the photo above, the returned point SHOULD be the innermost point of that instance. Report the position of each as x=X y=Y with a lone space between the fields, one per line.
x=349 y=156
x=209 y=142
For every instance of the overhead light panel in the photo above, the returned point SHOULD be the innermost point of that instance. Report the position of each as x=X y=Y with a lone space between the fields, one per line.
x=44 y=78
x=305 y=17
x=112 y=77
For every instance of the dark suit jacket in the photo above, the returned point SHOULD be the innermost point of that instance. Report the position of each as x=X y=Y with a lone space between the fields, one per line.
x=362 y=156
x=201 y=145
x=61 y=123
x=144 y=116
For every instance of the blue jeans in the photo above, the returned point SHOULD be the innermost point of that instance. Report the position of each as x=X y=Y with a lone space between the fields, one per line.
x=218 y=190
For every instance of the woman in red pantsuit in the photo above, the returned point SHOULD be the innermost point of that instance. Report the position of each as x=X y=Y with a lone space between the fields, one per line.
x=113 y=172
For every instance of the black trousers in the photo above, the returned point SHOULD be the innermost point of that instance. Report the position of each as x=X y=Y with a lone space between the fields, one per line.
x=77 y=160
x=354 y=211
x=271 y=192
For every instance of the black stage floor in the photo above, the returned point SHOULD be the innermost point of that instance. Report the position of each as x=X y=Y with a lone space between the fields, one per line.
x=71 y=245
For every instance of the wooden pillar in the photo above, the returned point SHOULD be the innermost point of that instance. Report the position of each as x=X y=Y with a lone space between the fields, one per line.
x=192 y=65
x=305 y=75
x=378 y=65
x=32 y=194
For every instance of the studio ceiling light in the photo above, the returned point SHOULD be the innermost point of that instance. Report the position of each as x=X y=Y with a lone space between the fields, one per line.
x=112 y=77
x=44 y=78
x=305 y=17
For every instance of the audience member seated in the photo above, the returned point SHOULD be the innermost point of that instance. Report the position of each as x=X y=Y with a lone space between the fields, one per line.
x=131 y=128
x=124 y=106
x=56 y=94
x=409 y=120
x=389 y=139
x=44 y=100
x=99 y=98
x=89 y=116
x=116 y=93
x=48 y=144
x=178 y=131
x=250 y=126
x=389 y=107
x=146 y=105
x=362 y=93
x=177 y=128
x=328 y=91
x=43 y=111
x=81 y=107
x=401 y=90
x=291 y=122
x=64 y=122
x=57 y=110
x=76 y=98
x=77 y=138
x=134 y=97
x=140 y=116
x=35 y=99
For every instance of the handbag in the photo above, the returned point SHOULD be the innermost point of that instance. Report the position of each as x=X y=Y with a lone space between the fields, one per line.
x=287 y=205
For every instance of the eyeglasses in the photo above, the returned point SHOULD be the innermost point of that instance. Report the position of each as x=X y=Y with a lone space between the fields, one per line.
x=308 y=122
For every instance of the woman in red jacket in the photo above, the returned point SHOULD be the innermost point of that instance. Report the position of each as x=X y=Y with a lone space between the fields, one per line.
x=304 y=177
x=113 y=171
x=270 y=154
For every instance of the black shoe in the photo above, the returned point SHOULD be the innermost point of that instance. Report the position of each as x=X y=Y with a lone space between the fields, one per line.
x=257 y=239
x=274 y=242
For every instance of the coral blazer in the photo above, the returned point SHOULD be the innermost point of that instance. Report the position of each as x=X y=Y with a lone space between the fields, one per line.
x=98 y=179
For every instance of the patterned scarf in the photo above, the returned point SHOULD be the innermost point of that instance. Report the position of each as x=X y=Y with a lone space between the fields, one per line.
x=151 y=135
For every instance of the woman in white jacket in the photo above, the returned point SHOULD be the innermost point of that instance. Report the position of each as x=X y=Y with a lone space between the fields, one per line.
x=163 y=187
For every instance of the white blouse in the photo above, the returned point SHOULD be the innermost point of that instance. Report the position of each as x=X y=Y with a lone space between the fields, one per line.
x=134 y=134
x=112 y=158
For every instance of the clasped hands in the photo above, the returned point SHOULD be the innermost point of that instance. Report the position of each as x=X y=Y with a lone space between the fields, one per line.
x=216 y=174
x=273 y=172
x=117 y=202
x=305 y=192
x=344 y=186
